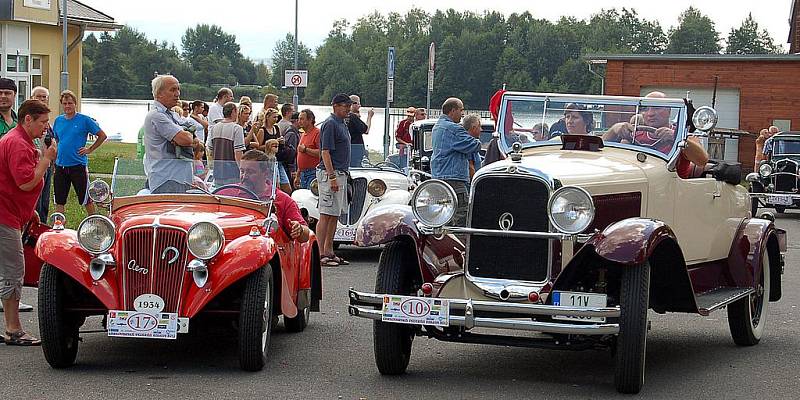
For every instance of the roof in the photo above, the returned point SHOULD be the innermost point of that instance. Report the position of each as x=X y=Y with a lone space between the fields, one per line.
x=694 y=57
x=81 y=14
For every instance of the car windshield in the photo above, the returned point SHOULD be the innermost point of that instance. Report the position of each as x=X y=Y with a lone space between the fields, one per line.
x=786 y=147
x=249 y=179
x=643 y=125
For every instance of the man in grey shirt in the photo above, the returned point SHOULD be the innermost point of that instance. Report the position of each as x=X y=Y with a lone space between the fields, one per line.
x=168 y=172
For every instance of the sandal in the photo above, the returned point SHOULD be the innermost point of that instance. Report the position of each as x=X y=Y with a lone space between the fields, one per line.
x=328 y=262
x=341 y=260
x=21 y=338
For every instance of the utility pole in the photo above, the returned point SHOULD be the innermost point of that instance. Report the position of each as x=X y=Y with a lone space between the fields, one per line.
x=295 y=98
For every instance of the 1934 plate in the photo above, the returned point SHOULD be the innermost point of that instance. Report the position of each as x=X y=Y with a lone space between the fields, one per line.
x=142 y=325
x=416 y=310
x=582 y=300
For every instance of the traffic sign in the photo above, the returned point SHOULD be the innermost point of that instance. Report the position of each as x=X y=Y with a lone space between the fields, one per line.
x=390 y=63
x=295 y=78
x=390 y=90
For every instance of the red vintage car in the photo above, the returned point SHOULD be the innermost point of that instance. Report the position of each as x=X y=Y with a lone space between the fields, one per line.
x=157 y=262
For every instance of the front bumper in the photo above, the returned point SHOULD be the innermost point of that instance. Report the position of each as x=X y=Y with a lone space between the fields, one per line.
x=516 y=316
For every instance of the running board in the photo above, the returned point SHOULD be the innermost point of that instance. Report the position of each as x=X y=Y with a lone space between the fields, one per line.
x=720 y=297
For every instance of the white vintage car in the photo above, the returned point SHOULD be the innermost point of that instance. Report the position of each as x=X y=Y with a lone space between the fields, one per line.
x=373 y=186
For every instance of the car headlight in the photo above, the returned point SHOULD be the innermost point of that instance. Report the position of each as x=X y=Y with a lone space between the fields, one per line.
x=99 y=191
x=96 y=234
x=376 y=188
x=205 y=240
x=434 y=203
x=570 y=209
x=314 y=187
x=765 y=170
x=704 y=118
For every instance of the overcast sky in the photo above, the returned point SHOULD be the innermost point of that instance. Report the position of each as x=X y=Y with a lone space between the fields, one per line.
x=258 y=24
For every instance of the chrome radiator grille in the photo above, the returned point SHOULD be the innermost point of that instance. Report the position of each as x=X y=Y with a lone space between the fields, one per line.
x=154 y=261
x=357 y=203
x=524 y=200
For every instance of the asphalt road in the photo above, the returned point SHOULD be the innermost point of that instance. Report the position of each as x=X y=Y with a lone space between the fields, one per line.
x=688 y=356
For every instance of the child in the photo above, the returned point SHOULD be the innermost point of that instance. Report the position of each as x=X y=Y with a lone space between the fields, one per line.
x=200 y=170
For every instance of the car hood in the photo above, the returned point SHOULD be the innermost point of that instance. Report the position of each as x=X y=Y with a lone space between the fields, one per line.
x=234 y=221
x=607 y=168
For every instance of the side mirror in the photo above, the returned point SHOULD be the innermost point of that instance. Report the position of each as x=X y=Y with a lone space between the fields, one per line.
x=271 y=224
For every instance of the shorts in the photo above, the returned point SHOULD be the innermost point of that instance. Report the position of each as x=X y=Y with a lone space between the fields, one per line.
x=306 y=177
x=332 y=203
x=12 y=263
x=78 y=176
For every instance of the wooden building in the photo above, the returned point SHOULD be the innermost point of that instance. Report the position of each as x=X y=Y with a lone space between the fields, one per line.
x=750 y=92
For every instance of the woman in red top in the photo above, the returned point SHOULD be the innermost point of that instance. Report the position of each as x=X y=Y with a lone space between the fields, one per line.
x=21 y=181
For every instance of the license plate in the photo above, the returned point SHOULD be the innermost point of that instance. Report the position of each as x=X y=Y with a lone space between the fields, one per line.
x=779 y=200
x=344 y=235
x=142 y=325
x=581 y=300
x=416 y=310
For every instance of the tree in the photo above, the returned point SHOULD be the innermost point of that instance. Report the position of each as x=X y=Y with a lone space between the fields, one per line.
x=747 y=39
x=113 y=79
x=283 y=59
x=695 y=34
x=210 y=40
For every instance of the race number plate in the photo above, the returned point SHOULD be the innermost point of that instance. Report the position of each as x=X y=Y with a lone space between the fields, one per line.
x=779 y=200
x=582 y=300
x=142 y=325
x=416 y=310
x=344 y=235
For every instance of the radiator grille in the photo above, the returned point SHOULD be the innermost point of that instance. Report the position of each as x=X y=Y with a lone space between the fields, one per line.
x=786 y=179
x=525 y=200
x=161 y=253
x=357 y=203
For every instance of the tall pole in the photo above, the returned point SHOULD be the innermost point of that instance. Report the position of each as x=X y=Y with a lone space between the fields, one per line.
x=64 y=61
x=295 y=98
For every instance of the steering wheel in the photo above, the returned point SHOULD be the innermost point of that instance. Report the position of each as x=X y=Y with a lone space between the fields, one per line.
x=649 y=131
x=241 y=188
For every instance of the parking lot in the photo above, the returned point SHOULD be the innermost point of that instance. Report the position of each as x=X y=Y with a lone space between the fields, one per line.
x=688 y=356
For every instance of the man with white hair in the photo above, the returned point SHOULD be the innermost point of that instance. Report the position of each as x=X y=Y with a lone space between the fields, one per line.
x=165 y=140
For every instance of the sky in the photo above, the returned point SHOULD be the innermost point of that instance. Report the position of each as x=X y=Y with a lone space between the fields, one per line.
x=259 y=24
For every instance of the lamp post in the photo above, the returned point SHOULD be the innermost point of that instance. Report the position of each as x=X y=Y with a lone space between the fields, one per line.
x=64 y=61
x=295 y=99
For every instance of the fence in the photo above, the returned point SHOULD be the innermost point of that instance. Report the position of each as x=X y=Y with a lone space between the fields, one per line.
x=398 y=114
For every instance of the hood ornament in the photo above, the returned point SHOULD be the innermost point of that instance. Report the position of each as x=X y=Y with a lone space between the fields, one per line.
x=516 y=152
x=506 y=221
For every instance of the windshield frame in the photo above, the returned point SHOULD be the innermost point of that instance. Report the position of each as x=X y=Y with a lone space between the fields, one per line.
x=637 y=102
x=776 y=139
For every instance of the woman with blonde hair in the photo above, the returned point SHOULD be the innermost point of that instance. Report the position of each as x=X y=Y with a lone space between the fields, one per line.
x=244 y=118
x=267 y=129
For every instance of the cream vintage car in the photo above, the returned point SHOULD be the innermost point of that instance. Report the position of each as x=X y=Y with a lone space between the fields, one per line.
x=570 y=241
x=372 y=186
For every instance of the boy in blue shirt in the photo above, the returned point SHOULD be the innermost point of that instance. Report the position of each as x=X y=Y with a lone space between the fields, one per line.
x=71 y=130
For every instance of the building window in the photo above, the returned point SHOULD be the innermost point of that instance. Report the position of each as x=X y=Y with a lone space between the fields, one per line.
x=16 y=63
x=783 y=124
x=36 y=71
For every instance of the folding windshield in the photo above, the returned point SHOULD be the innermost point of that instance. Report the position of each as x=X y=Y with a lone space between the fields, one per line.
x=639 y=124
x=786 y=147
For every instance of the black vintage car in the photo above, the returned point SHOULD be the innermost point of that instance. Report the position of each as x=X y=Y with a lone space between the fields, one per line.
x=775 y=185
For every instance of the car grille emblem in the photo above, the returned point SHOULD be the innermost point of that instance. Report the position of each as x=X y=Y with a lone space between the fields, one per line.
x=175 y=254
x=137 y=268
x=506 y=221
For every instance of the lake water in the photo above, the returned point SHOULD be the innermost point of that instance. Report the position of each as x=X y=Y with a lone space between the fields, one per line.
x=125 y=117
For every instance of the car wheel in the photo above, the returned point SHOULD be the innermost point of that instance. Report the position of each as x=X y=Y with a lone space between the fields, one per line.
x=255 y=317
x=298 y=323
x=780 y=209
x=59 y=329
x=746 y=317
x=392 y=342
x=632 y=340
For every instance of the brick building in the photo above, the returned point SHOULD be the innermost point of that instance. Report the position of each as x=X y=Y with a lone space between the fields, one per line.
x=752 y=91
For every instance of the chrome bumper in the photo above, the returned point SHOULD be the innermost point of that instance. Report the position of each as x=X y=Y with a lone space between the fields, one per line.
x=367 y=305
x=766 y=195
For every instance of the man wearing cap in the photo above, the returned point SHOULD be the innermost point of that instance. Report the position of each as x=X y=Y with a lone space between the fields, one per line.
x=332 y=176
x=403 y=135
x=8 y=94
x=452 y=149
x=357 y=129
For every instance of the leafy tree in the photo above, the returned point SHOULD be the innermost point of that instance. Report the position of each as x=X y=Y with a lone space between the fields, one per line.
x=748 y=39
x=695 y=34
x=113 y=79
x=210 y=40
x=283 y=59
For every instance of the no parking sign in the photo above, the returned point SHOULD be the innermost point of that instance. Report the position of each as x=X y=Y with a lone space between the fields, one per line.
x=295 y=78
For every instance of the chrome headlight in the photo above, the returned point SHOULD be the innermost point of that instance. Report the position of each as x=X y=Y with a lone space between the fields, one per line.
x=99 y=191
x=314 y=187
x=205 y=240
x=376 y=188
x=96 y=234
x=765 y=170
x=704 y=118
x=434 y=203
x=570 y=209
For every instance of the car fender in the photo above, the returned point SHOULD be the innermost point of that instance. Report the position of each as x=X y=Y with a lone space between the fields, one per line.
x=753 y=237
x=630 y=241
x=241 y=257
x=61 y=250
x=306 y=200
x=401 y=197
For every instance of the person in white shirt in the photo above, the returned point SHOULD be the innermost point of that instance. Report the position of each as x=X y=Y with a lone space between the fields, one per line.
x=224 y=96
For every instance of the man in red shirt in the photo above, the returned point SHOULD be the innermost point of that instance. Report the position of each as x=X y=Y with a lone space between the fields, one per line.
x=403 y=135
x=21 y=181
x=307 y=151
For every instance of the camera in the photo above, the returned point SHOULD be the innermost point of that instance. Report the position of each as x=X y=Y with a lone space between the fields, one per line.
x=48 y=139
